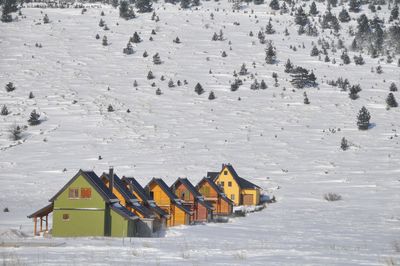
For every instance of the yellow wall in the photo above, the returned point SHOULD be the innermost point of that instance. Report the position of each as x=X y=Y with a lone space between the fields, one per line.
x=229 y=191
x=159 y=196
x=180 y=216
x=254 y=192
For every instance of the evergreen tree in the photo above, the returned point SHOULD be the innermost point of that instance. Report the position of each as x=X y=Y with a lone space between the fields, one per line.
x=353 y=91
x=144 y=6
x=314 y=51
x=263 y=85
x=243 y=70
x=359 y=60
x=110 y=108
x=177 y=40
x=150 y=75
x=156 y=59
x=288 y=66
x=391 y=100
x=129 y=49
x=9 y=6
x=344 y=15
x=145 y=54
x=345 y=57
x=223 y=54
x=171 y=83
x=126 y=11
x=46 y=19
x=313 y=9
x=10 y=87
x=354 y=5
x=255 y=85
x=274 y=4
x=344 y=144
x=302 y=78
x=215 y=37
x=198 y=89
x=211 y=96
x=136 y=38
x=4 y=110
x=195 y=2
x=16 y=132
x=393 y=87
x=306 y=100
x=158 y=91
x=301 y=17
x=269 y=28
x=34 y=118
x=105 y=41
x=394 y=14
x=185 y=3
x=270 y=56
x=363 y=119
x=101 y=23
x=31 y=96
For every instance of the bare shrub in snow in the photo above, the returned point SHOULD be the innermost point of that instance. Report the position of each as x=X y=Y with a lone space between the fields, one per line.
x=332 y=196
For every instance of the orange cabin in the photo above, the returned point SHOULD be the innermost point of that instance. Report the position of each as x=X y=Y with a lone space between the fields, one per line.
x=214 y=195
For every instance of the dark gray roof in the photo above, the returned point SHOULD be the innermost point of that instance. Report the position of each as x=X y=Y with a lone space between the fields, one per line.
x=242 y=183
x=169 y=193
x=95 y=181
x=216 y=188
x=134 y=185
x=196 y=194
x=124 y=212
x=43 y=211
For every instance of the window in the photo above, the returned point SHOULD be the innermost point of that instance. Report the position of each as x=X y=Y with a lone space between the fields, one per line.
x=222 y=183
x=229 y=183
x=86 y=193
x=232 y=196
x=73 y=193
x=65 y=217
x=205 y=191
x=152 y=195
x=225 y=172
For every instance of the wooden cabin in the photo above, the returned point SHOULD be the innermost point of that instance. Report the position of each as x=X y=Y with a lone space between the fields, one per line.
x=158 y=191
x=86 y=207
x=193 y=200
x=238 y=189
x=212 y=194
x=140 y=193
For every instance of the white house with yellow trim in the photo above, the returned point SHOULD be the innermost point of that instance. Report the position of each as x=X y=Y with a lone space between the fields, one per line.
x=238 y=189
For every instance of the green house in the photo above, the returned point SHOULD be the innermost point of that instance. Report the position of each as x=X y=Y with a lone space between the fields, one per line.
x=86 y=207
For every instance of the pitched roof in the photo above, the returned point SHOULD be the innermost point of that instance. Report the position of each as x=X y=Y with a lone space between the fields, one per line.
x=134 y=185
x=130 y=198
x=216 y=188
x=169 y=193
x=213 y=175
x=43 y=211
x=124 y=212
x=193 y=190
x=96 y=183
x=242 y=183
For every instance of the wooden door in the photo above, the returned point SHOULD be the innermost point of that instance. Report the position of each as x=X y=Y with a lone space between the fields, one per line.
x=248 y=199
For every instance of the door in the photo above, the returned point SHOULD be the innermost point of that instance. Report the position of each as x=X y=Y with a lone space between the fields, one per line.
x=248 y=199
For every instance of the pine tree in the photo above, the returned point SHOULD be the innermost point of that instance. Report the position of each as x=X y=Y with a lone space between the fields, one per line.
x=126 y=11
x=215 y=37
x=243 y=70
x=9 y=6
x=353 y=91
x=144 y=6
x=344 y=144
x=274 y=4
x=171 y=83
x=269 y=28
x=301 y=17
x=195 y=2
x=393 y=87
x=105 y=41
x=198 y=89
x=344 y=15
x=288 y=66
x=391 y=100
x=223 y=54
x=150 y=75
x=345 y=57
x=129 y=49
x=136 y=38
x=185 y=3
x=263 y=85
x=306 y=100
x=34 y=118
x=101 y=23
x=394 y=14
x=46 y=19
x=211 y=96
x=31 y=96
x=110 y=108
x=177 y=40
x=313 y=9
x=145 y=54
x=158 y=91
x=270 y=52
x=314 y=51
x=302 y=78
x=354 y=5
x=156 y=59
x=363 y=119
x=4 y=110
x=10 y=87
x=359 y=60
x=255 y=85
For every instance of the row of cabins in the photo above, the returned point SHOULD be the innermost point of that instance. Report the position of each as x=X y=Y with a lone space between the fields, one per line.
x=89 y=205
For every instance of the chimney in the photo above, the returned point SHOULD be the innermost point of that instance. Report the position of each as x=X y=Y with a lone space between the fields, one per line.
x=111 y=178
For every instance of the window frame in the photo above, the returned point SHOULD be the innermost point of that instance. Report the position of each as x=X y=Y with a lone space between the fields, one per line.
x=66 y=217
x=73 y=197
x=84 y=193
x=229 y=183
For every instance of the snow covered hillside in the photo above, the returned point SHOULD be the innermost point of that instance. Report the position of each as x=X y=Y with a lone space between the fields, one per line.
x=271 y=137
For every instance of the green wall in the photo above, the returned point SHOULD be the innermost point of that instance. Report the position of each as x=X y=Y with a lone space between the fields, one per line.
x=121 y=227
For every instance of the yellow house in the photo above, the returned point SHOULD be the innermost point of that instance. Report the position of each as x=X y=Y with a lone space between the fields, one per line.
x=239 y=190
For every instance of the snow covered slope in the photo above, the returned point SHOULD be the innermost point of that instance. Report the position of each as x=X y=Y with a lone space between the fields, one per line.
x=290 y=149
